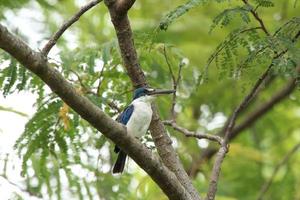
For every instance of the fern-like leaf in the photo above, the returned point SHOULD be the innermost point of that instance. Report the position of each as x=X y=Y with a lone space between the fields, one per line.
x=224 y=18
x=11 y=78
x=178 y=12
x=264 y=3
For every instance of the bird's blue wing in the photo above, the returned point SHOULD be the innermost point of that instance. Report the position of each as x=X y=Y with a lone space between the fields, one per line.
x=123 y=118
x=125 y=115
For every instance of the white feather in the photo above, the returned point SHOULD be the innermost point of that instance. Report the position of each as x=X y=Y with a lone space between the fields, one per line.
x=140 y=119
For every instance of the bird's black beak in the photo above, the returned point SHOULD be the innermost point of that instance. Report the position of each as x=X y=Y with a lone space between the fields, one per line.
x=160 y=92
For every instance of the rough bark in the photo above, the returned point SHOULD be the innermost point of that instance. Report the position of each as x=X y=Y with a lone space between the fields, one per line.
x=37 y=63
x=163 y=143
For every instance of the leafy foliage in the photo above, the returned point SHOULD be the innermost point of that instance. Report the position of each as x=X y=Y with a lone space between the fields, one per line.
x=63 y=157
x=178 y=12
x=264 y=3
x=224 y=18
x=13 y=77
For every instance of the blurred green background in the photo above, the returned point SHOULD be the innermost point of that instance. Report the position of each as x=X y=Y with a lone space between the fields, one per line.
x=69 y=159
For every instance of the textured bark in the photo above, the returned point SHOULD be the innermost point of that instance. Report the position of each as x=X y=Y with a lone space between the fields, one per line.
x=36 y=62
x=162 y=141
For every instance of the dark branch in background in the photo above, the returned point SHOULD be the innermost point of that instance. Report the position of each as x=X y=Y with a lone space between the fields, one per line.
x=256 y=16
x=250 y=120
x=161 y=139
x=229 y=125
x=37 y=63
x=188 y=133
x=208 y=153
x=67 y=24
x=284 y=161
x=227 y=131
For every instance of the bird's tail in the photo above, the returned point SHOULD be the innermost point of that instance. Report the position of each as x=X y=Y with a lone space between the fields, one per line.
x=120 y=163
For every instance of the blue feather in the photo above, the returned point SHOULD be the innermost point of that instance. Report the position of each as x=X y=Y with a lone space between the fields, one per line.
x=125 y=115
x=123 y=118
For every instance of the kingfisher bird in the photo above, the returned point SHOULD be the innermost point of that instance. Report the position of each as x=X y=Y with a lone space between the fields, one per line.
x=137 y=117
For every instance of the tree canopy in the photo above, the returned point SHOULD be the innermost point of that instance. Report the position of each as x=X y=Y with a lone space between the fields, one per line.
x=234 y=64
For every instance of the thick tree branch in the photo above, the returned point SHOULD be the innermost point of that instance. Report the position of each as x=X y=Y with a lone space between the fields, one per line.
x=37 y=63
x=123 y=6
x=188 y=133
x=162 y=141
x=67 y=24
x=268 y=183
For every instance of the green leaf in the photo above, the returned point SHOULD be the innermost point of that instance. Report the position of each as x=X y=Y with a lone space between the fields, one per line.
x=178 y=12
x=11 y=78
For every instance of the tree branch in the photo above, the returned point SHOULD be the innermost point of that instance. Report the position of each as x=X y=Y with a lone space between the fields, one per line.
x=268 y=183
x=36 y=62
x=250 y=120
x=101 y=78
x=256 y=16
x=162 y=141
x=175 y=82
x=123 y=6
x=263 y=109
x=227 y=130
x=188 y=133
x=18 y=187
x=67 y=24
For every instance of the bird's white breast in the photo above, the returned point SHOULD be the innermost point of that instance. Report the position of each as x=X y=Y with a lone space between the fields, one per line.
x=140 y=119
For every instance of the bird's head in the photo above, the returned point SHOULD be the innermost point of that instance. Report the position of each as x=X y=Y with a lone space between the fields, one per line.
x=149 y=93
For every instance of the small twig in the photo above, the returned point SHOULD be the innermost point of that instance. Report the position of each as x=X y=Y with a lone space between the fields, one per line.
x=188 y=133
x=66 y=25
x=256 y=16
x=18 y=187
x=112 y=105
x=175 y=82
x=181 y=64
x=100 y=80
x=284 y=25
x=219 y=49
x=268 y=183
x=169 y=65
x=81 y=82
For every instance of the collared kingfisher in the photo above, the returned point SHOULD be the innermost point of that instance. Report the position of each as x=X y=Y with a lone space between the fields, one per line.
x=137 y=117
